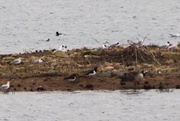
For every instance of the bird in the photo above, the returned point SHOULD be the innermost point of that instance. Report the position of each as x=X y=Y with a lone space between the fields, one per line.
x=171 y=46
x=48 y=40
x=57 y=33
x=133 y=76
x=128 y=66
x=114 y=45
x=92 y=72
x=38 y=61
x=175 y=35
x=62 y=48
x=16 y=61
x=71 y=78
x=6 y=86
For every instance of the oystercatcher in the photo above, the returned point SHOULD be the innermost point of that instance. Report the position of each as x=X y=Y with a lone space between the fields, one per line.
x=71 y=78
x=92 y=72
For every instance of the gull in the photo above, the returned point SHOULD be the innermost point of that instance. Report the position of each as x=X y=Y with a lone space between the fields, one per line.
x=71 y=78
x=171 y=46
x=16 y=61
x=92 y=72
x=6 y=86
x=61 y=48
x=104 y=46
x=175 y=35
x=167 y=45
x=114 y=45
x=38 y=61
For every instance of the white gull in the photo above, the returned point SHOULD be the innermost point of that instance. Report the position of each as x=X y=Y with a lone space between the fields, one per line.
x=16 y=61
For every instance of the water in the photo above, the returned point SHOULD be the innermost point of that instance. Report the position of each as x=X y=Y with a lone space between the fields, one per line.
x=91 y=106
x=26 y=25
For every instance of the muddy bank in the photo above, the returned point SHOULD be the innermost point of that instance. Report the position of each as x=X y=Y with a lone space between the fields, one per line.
x=162 y=64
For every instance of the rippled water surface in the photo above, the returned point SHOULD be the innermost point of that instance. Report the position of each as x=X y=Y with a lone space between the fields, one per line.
x=91 y=106
x=27 y=24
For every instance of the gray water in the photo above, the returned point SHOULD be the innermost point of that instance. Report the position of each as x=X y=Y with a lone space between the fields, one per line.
x=26 y=25
x=91 y=106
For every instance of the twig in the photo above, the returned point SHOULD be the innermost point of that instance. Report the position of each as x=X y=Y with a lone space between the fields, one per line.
x=95 y=40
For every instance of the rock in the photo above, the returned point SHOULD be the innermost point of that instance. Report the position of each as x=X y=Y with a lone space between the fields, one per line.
x=177 y=86
x=147 y=85
x=40 y=88
x=89 y=86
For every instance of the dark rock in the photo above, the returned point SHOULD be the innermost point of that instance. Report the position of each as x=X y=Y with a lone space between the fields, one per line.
x=123 y=83
x=147 y=85
x=40 y=88
x=81 y=85
x=19 y=85
x=161 y=86
x=89 y=86
x=177 y=86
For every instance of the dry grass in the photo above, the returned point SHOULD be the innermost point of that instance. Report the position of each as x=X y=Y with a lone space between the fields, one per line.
x=56 y=66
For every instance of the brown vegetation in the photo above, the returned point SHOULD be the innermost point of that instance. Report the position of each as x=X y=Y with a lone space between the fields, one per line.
x=163 y=67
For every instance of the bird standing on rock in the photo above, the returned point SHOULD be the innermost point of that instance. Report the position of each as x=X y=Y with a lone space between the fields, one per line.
x=92 y=72
x=133 y=76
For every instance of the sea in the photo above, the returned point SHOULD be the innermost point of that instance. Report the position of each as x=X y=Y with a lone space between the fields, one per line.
x=30 y=25
x=119 y=105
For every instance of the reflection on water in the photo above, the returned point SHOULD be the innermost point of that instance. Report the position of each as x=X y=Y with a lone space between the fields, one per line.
x=91 y=105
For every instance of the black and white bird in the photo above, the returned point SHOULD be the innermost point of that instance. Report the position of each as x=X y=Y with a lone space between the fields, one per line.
x=71 y=78
x=92 y=72
x=133 y=76
x=6 y=86
x=16 y=61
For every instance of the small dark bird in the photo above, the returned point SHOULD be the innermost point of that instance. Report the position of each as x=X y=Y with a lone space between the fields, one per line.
x=57 y=33
x=92 y=72
x=133 y=76
x=71 y=78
